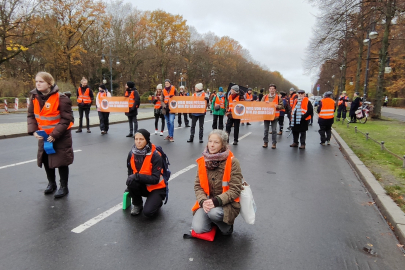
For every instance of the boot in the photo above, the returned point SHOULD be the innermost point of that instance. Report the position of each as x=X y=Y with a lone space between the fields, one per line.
x=129 y=135
x=248 y=123
x=280 y=133
x=63 y=190
x=88 y=131
x=302 y=146
x=294 y=145
x=50 y=188
x=201 y=140
x=136 y=210
x=79 y=131
x=273 y=146
x=265 y=145
x=191 y=138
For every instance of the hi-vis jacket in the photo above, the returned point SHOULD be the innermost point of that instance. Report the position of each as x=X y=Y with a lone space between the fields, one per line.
x=304 y=107
x=327 y=109
x=232 y=103
x=168 y=94
x=343 y=100
x=84 y=97
x=292 y=98
x=277 y=100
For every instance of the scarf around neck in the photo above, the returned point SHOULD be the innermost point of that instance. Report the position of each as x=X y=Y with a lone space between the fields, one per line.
x=298 y=111
x=212 y=161
x=141 y=152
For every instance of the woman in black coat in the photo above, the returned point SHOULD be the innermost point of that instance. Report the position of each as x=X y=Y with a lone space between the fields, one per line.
x=354 y=106
x=299 y=129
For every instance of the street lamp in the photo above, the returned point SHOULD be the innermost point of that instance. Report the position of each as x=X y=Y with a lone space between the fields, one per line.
x=103 y=62
x=370 y=35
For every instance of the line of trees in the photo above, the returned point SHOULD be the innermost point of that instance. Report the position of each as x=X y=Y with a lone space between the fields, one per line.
x=69 y=38
x=338 y=50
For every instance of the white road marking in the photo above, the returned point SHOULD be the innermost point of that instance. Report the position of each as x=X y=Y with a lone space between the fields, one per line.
x=81 y=228
x=25 y=162
x=244 y=136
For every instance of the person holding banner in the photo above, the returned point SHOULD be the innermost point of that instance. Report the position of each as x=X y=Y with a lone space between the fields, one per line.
x=103 y=116
x=84 y=99
x=249 y=97
x=199 y=92
x=158 y=110
x=301 y=112
x=50 y=114
x=168 y=92
x=217 y=186
x=133 y=104
x=233 y=96
x=218 y=108
x=272 y=97
x=184 y=114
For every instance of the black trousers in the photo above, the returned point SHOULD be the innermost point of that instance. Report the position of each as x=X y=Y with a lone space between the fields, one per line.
x=86 y=111
x=104 y=121
x=194 y=120
x=326 y=132
x=218 y=124
x=153 y=201
x=236 y=125
x=50 y=173
x=301 y=136
x=185 y=118
x=133 y=123
x=281 y=122
x=341 y=112
x=161 y=116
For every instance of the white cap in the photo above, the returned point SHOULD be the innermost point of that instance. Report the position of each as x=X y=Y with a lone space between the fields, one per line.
x=159 y=86
x=199 y=86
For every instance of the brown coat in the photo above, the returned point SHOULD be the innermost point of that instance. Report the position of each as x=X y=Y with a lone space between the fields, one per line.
x=230 y=207
x=62 y=135
x=280 y=104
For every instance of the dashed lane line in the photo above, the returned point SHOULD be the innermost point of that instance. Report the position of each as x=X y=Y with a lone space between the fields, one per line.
x=81 y=228
x=244 y=136
x=28 y=161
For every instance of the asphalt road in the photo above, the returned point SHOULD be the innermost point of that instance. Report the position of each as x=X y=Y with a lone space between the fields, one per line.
x=312 y=211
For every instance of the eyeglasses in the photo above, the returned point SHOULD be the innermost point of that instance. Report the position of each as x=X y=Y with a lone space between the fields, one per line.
x=301 y=93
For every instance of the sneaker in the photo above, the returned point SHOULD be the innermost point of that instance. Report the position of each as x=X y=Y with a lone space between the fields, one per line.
x=156 y=132
x=302 y=146
x=328 y=142
x=161 y=133
x=294 y=145
x=280 y=133
x=79 y=131
x=273 y=146
x=179 y=125
x=136 y=210
x=171 y=139
x=103 y=132
x=322 y=143
x=265 y=145
x=248 y=123
x=88 y=131
x=167 y=137
x=235 y=143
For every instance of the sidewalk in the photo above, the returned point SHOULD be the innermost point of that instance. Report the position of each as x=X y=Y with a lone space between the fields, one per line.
x=394 y=113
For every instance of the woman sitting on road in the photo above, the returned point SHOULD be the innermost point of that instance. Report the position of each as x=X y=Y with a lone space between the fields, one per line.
x=144 y=175
x=51 y=112
x=217 y=186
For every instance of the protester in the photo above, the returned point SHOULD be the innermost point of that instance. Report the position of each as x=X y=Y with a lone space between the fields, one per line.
x=341 y=112
x=168 y=92
x=51 y=112
x=182 y=93
x=84 y=99
x=354 y=107
x=326 y=116
x=248 y=97
x=218 y=108
x=214 y=93
x=144 y=165
x=158 y=110
x=272 y=97
x=133 y=104
x=233 y=97
x=291 y=99
x=103 y=116
x=283 y=111
x=217 y=186
x=199 y=92
x=301 y=112
x=260 y=97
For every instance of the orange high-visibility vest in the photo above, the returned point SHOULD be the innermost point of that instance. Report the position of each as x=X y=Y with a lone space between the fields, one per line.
x=167 y=95
x=292 y=99
x=101 y=95
x=249 y=97
x=85 y=98
x=158 y=104
x=131 y=100
x=345 y=98
x=147 y=170
x=220 y=102
x=304 y=107
x=202 y=174
x=328 y=109
x=275 y=100
x=231 y=102
x=49 y=116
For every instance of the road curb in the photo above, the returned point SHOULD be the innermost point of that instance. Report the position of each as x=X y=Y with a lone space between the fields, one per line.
x=390 y=210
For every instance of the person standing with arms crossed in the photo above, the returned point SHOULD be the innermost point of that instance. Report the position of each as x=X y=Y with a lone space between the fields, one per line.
x=84 y=99
x=272 y=97
x=341 y=112
x=133 y=104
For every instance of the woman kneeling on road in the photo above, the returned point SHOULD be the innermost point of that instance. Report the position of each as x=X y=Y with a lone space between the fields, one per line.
x=217 y=186
x=144 y=176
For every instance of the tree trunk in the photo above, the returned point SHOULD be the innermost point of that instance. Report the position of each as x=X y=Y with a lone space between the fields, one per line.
x=359 y=67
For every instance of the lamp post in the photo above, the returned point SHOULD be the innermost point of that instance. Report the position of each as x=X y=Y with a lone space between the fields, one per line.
x=370 y=35
x=111 y=59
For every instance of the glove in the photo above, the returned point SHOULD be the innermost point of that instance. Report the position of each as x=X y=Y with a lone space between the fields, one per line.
x=131 y=178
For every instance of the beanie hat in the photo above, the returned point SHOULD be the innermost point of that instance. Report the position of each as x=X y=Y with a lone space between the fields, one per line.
x=145 y=134
x=159 y=86
x=131 y=84
x=327 y=94
x=250 y=89
x=235 y=88
x=167 y=80
x=261 y=90
x=102 y=86
x=221 y=89
x=199 y=86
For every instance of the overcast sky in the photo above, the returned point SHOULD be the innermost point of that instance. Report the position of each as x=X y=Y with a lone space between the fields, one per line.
x=275 y=32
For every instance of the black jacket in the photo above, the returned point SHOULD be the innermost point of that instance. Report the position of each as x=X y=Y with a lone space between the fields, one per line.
x=134 y=109
x=156 y=168
x=355 y=104
x=303 y=126
x=83 y=105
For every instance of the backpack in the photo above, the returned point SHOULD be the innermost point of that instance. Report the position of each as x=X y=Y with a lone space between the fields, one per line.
x=166 y=171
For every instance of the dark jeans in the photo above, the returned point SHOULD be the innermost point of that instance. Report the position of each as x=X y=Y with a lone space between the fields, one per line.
x=327 y=129
x=50 y=173
x=236 y=125
x=185 y=118
x=86 y=111
x=341 y=112
x=215 y=124
x=281 y=122
x=104 y=122
x=133 y=124
x=296 y=136
x=161 y=116
x=194 y=120
x=153 y=201
x=273 y=131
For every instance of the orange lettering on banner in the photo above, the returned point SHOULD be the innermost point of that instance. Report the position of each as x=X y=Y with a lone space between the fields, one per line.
x=250 y=111
x=114 y=104
x=184 y=104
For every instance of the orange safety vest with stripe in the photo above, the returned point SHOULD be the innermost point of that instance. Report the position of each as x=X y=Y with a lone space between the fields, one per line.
x=292 y=98
x=345 y=99
x=275 y=100
x=158 y=104
x=49 y=116
x=220 y=102
x=167 y=95
x=249 y=97
x=147 y=170
x=131 y=100
x=85 y=98
x=232 y=103
x=328 y=109
x=202 y=174
x=304 y=107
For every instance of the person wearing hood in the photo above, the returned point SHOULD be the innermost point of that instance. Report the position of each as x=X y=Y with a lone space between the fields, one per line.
x=182 y=93
x=84 y=99
x=218 y=109
x=326 y=116
x=51 y=112
x=103 y=116
x=144 y=165
x=199 y=92
x=168 y=92
x=133 y=104
x=300 y=114
x=232 y=98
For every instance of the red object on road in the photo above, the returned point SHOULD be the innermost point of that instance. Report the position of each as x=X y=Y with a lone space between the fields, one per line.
x=208 y=236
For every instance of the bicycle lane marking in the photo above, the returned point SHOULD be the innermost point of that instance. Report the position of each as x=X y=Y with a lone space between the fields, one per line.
x=88 y=224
